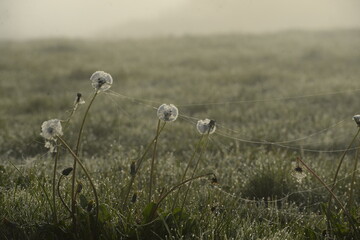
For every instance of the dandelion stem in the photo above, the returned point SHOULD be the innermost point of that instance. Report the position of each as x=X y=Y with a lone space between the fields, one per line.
x=73 y=201
x=337 y=172
x=59 y=194
x=163 y=196
x=196 y=166
x=56 y=158
x=85 y=171
x=137 y=168
x=341 y=161
x=353 y=179
x=187 y=168
x=153 y=160
x=332 y=193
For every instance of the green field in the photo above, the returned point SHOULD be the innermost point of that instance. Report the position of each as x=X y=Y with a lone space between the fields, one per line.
x=274 y=97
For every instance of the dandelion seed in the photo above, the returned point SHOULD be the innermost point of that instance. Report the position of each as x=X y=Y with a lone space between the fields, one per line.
x=101 y=80
x=167 y=112
x=50 y=129
x=51 y=145
x=356 y=118
x=206 y=126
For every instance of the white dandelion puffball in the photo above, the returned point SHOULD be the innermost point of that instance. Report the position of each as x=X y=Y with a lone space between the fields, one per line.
x=206 y=126
x=51 y=128
x=167 y=112
x=356 y=118
x=101 y=80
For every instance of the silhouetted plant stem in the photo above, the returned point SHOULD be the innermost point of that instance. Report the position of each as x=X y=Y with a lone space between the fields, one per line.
x=163 y=196
x=333 y=185
x=54 y=186
x=137 y=168
x=85 y=171
x=187 y=168
x=333 y=195
x=152 y=168
x=196 y=166
x=76 y=151
x=353 y=180
x=59 y=194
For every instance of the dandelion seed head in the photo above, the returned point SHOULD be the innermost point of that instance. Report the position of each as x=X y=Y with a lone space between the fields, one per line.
x=167 y=112
x=50 y=129
x=356 y=118
x=206 y=126
x=101 y=80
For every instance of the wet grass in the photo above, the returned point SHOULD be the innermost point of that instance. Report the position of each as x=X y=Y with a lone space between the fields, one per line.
x=249 y=84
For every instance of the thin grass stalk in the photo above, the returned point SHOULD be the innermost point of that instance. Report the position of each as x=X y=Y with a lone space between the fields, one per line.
x=163 y=196
x=341 y=161
x=47 y=197
x=333 y=195
x=187 y=168
x=76 y=151
x=59 y=194
x=137 y=168
x=152 y=168
x=196 y=166
x=56 y=158
x=353 y=179
x=86 y=173
x=333 y=185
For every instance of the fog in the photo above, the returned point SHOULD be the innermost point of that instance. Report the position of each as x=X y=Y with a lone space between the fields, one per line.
x=27 y=19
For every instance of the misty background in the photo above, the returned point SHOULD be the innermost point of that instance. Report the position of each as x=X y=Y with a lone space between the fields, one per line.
x=29 y=19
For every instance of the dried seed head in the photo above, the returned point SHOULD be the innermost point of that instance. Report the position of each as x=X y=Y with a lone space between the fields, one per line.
x=78 y=99
x=132 y=169
x=67 y=171
x=134 y=198
x=79 y=187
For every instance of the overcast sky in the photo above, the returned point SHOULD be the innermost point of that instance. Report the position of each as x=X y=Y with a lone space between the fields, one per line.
x=24 y=19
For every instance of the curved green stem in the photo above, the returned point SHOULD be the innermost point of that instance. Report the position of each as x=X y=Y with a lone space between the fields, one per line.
x=85 y=171
x=73 y=202
x=196 y=166
x=341 y=161
x=153 y=161
x=187 y=168
x=333 y=185
x=353 y=179
x=56 y=158
x=137 y=168
x=162 y=197
x=59 y=194
x=332 y=194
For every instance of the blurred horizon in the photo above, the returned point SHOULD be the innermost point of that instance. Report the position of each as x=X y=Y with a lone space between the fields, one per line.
x=94 y=19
